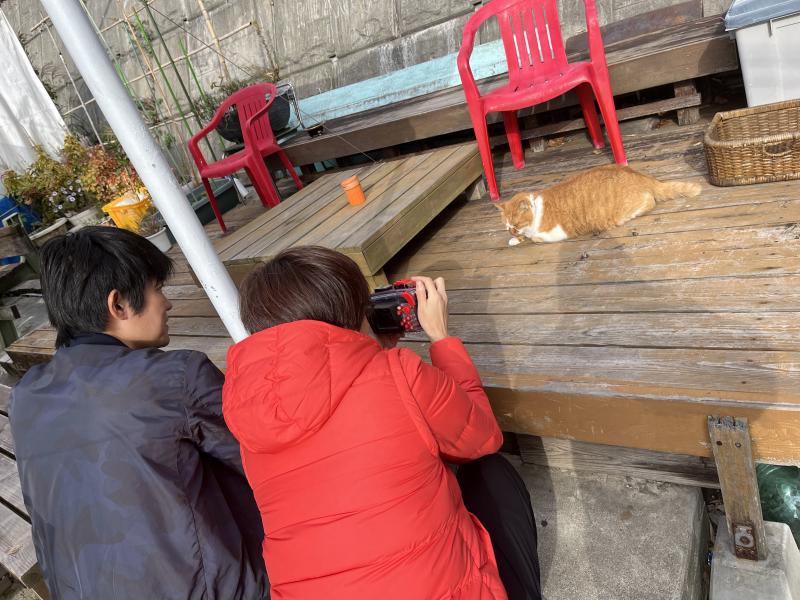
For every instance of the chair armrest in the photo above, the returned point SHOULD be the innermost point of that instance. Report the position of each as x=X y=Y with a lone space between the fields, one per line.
x=462 y=62
x=194 y=142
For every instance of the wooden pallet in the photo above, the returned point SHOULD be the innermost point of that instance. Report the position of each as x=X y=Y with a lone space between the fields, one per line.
x=403 y=196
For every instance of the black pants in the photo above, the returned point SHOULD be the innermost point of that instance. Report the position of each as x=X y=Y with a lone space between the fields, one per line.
x=494 y=492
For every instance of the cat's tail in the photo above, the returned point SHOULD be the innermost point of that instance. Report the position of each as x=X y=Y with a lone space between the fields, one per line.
x=667 y=190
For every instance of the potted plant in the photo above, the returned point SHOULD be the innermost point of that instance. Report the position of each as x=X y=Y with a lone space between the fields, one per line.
x=154 y=230
x=72 y=187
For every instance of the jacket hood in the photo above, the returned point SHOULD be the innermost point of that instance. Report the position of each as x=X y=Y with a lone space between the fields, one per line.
x=283 y=384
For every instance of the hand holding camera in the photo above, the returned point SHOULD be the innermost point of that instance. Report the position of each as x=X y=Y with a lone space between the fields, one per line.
x=432 y=307
x=417 y=304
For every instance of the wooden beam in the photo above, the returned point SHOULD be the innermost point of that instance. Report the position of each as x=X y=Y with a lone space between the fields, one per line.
x=730 y=439
x=624 y=114
x=687 y=89
x=614 y=460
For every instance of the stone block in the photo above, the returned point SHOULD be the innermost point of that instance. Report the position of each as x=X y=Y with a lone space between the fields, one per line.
x=776 y=578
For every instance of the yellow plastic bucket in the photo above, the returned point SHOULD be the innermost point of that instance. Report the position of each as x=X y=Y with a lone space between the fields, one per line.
x=128 y=211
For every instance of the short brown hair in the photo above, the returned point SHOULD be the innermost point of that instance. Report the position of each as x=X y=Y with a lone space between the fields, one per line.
x=305 y=282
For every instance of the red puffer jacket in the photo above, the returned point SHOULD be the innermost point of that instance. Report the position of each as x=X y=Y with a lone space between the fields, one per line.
x=343 y=443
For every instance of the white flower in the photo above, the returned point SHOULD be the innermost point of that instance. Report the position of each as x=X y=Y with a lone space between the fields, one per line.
x=54 y=194
x=60 y=206
x=72 y=198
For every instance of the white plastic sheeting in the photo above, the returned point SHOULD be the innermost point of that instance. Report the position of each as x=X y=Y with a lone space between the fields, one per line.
x=27 y=114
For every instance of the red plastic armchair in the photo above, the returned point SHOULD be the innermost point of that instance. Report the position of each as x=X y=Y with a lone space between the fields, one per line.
x=538 y=71
x=252 y=104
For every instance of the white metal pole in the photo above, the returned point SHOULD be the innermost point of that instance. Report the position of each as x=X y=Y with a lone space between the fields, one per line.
x=111 y=96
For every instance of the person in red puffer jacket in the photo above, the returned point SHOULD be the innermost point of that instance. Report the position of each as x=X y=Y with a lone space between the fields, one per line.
x=345 y=440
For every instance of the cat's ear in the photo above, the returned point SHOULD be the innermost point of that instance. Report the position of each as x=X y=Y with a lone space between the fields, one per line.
x=501 y=206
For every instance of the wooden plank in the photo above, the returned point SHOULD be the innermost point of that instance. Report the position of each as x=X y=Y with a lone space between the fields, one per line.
x=239 y=241
x=646 y=417
x=17 y=554
x=397 y=194
x=5 y=398
x=626 y=462
x=335 y=213
x=313 y=190
x=379 y=249
x=684 y=101
x=754 y=294
x=10 y=490
x=684 y=260
x=777 y=217
x=310 y=229
x=6 y=439
x=686 y=115
x=730 y=439
x=764 y=378
x=767 y=331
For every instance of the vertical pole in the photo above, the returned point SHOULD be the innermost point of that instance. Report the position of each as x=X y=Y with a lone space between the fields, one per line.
x=94 y=65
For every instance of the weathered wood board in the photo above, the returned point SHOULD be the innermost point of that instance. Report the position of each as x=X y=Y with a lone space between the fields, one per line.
x=403 y=196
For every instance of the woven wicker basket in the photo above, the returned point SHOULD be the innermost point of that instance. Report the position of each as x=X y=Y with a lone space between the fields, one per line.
x=754 y=145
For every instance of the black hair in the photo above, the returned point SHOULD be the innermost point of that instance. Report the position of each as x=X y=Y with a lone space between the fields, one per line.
x=80 y=270
x=304 y=282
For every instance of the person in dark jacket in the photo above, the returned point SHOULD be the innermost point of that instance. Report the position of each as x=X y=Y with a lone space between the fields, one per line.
x=133 y=483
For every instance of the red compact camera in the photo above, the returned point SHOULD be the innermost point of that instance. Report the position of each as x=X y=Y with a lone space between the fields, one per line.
x=393 y=308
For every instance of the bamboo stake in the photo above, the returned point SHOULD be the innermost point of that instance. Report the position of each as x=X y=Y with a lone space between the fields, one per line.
x=195 y=112
x=210 y=26
x=144 y=63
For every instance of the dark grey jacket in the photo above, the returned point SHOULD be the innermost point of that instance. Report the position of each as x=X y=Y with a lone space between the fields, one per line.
x=132 y=480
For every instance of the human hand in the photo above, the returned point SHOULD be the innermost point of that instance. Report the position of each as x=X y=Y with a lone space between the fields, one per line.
x=432 y=307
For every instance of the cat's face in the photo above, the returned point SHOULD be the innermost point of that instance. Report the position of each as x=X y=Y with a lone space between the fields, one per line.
x=517 y=213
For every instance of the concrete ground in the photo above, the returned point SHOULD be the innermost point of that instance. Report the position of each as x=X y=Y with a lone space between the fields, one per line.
x=607 y=537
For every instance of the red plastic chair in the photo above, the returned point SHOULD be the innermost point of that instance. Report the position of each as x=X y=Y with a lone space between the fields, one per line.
x=252 y=104
x=538 y=71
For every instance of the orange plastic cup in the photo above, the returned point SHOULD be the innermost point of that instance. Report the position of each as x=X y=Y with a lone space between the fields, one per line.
x=353 y=191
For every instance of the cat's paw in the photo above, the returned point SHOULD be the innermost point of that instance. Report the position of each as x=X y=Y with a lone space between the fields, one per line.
x=514 y=241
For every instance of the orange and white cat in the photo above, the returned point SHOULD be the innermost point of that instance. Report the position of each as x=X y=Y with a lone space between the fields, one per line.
x=590 y=202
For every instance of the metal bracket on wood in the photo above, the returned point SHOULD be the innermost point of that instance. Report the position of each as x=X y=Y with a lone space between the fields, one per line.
x=730 y=441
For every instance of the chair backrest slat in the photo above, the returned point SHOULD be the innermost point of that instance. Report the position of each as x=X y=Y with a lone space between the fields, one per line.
x=531 y=34
x=249 y=101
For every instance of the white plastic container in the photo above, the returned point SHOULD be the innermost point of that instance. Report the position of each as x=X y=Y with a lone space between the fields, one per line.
x=768 y=39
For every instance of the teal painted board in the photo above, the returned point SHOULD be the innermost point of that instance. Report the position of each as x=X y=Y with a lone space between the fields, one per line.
x=441 y=73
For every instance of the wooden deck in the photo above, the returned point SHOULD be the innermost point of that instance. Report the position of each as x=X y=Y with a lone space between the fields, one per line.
x=629 y=338
x=634 y=336
x=403 y=196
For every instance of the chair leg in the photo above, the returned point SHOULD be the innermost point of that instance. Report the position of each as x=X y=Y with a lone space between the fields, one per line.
x=514 y=139
x=213 y=200
x=485 y=149
x=606 y=101
x=290 y=167
x=263 y=184
x=586 y=98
